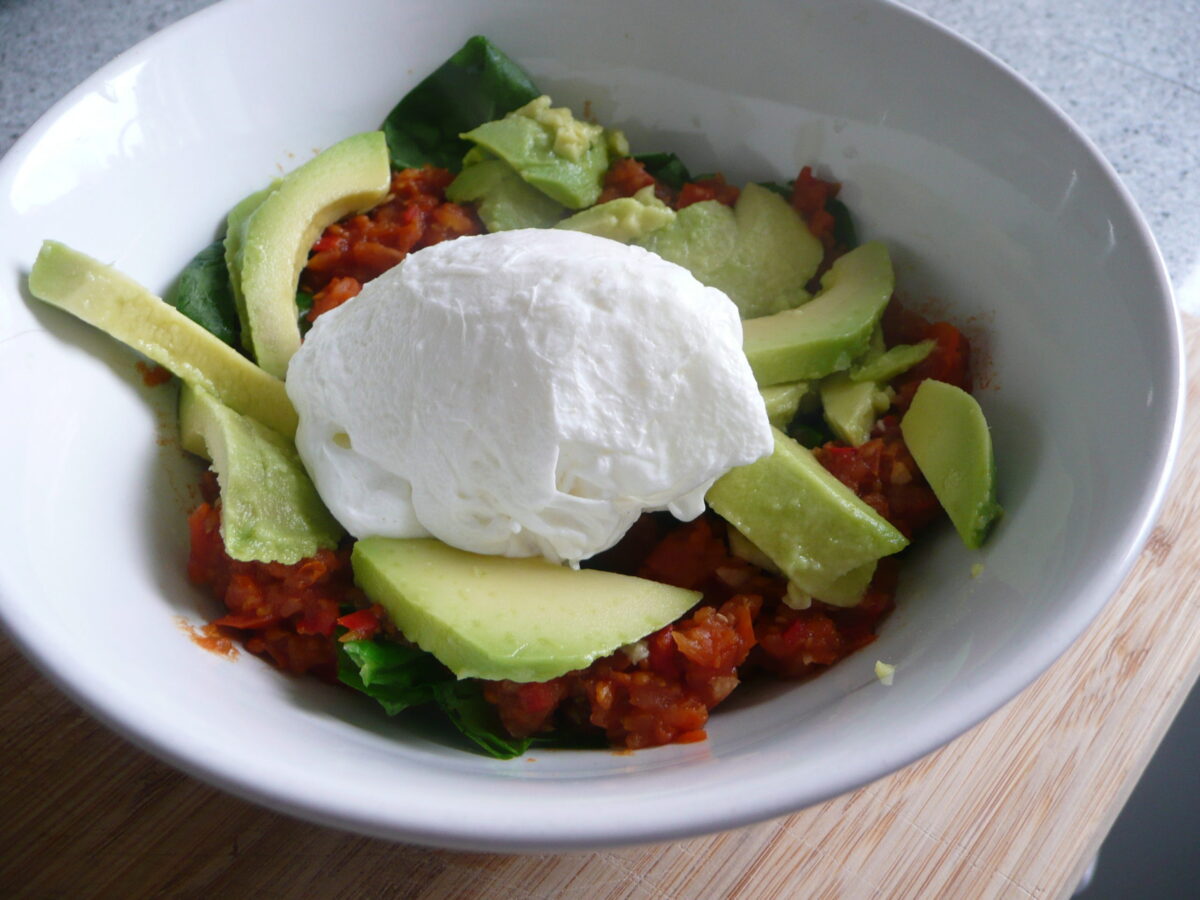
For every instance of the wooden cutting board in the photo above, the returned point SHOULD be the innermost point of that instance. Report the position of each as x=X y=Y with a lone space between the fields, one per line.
x=1015 y=807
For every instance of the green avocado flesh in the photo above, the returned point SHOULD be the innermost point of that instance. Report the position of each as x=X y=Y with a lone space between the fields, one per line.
x=505 y=200
x=761 y=254
x=883 y=367
x=119 y=306
x=235 y=233
x=827 y=334
x=267 y=244
x=624 y=219
x=497 y=617
x=948 y=436
x=810 y=524
x=851 y=407
x=527 y=145
x=270 y=511
x=783 y=401
x=844 y=590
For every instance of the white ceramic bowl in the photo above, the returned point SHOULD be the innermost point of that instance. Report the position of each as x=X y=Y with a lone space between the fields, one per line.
x=992 y=203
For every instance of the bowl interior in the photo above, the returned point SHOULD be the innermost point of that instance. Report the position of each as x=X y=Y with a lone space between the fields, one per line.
x=999 y=216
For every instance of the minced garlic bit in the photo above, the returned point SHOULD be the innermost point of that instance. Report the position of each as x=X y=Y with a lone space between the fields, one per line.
x=796 y=598
x=637 y=651
x=885 y=672
x=976 y=570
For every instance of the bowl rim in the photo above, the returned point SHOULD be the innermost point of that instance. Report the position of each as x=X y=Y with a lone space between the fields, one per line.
x=752 y=807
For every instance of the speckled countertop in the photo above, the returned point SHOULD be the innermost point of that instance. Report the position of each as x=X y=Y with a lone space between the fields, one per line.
x=1126 y=71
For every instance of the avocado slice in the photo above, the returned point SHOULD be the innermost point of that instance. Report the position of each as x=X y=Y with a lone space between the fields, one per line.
x=551 y=149
x=851 y=407
x=883 y=367
x=235 y=233
x=810 y=524
x=760 y=253
x=783 y=401
x=701 y=239
x=499 y=617
x=505 y=201
x=624 y=219
x=267 y=243
x=827 y=334
x=948 y=436
x=844 y=590
x=270 y=510
x=119 y=306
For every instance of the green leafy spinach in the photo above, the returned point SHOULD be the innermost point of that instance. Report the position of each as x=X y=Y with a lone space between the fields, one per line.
x=477 y=84
x=204 y=294
x=666 y=167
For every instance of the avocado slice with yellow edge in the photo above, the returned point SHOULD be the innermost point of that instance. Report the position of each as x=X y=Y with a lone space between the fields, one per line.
x=270 y=510
x=561 y=156
x=828 y=333
x=624 y=219
x=948 y=436
x=760 y=253
x=119 y=306
x=505 y=201
x=811 y=525
x=497 y=617
x=267 y=243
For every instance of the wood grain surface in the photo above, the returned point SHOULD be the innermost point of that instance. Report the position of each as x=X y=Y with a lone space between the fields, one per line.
x=1014 y=808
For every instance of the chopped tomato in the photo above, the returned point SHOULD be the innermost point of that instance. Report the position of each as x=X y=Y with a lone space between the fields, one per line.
x=626 y=176
x=286 y=612
x=712 y=188
x=884 y=476
x=810 y=198
x=351 y=252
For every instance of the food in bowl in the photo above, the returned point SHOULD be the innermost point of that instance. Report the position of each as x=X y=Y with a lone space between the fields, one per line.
x=790 y=569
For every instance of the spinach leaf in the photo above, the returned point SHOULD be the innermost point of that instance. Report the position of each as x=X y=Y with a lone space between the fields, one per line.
x=666 y=167
x=395 y=675
x=475 y=85
x=398 y=676
x=471 y=714
x=811 y=431
x=844 y=232
x=304 y=302
x=204 y=294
